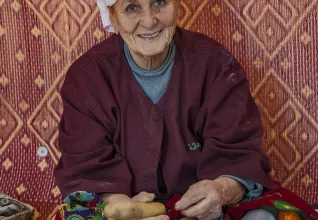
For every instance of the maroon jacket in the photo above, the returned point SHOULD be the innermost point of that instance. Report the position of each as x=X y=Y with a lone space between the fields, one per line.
x=112 y=137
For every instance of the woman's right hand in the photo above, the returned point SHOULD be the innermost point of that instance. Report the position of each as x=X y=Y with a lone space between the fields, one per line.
x=142 y=197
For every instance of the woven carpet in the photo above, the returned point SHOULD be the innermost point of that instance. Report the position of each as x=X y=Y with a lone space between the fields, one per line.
x=276 y=42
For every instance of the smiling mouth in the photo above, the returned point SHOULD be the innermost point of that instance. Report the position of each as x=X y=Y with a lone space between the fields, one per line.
x=150 y=36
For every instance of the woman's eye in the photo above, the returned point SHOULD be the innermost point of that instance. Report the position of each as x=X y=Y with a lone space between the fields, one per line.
x=131 y=7
x=160 y=2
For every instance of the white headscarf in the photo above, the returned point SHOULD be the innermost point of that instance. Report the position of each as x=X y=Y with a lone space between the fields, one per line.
x=104 y=12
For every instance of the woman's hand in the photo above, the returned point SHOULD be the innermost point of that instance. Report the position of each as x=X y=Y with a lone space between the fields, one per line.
x=111 y=198
x=204 y=200
x=144 y=197
x=125 y=201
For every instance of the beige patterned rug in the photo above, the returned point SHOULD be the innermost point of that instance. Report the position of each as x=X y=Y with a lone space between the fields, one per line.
x=275 y=40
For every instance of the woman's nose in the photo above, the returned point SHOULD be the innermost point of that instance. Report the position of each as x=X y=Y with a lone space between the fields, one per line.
x=148 y=20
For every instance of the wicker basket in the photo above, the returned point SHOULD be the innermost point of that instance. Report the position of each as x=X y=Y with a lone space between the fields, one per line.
x=27 y=214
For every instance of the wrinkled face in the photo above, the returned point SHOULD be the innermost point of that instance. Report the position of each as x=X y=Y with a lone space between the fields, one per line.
x=147 y=26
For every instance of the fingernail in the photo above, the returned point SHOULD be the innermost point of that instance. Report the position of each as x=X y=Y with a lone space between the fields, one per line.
x=167 y=218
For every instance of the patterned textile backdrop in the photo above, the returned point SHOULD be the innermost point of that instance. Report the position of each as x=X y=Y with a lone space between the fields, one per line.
x=275 y=40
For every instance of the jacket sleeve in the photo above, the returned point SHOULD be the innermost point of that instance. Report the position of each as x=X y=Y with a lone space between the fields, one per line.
x=231 y=128
x=89 y=161
x=253 y=190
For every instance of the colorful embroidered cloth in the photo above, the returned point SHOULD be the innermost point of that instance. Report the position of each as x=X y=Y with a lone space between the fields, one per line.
x=82 y=206
x=281 y=203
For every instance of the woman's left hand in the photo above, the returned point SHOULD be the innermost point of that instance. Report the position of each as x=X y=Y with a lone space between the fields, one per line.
x=204 y=200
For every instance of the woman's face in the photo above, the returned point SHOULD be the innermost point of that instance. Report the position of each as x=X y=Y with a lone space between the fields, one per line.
x=147 y=26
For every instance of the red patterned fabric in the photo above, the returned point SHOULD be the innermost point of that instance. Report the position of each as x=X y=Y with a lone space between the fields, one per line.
x=275 y=41
x=268 y=199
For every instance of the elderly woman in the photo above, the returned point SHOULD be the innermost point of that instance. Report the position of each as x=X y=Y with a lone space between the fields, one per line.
x=156 y=110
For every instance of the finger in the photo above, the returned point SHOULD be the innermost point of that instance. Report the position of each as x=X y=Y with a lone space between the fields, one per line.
x=188 y=218
x=214 y=212
x=191 y=197
x=202 y=207
x=144 y=197
x=160 y=217
x=117 y=198
x=211 y=216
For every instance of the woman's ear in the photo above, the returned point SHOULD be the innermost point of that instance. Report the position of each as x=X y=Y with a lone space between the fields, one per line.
x=113 y=20
x=177 y=2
